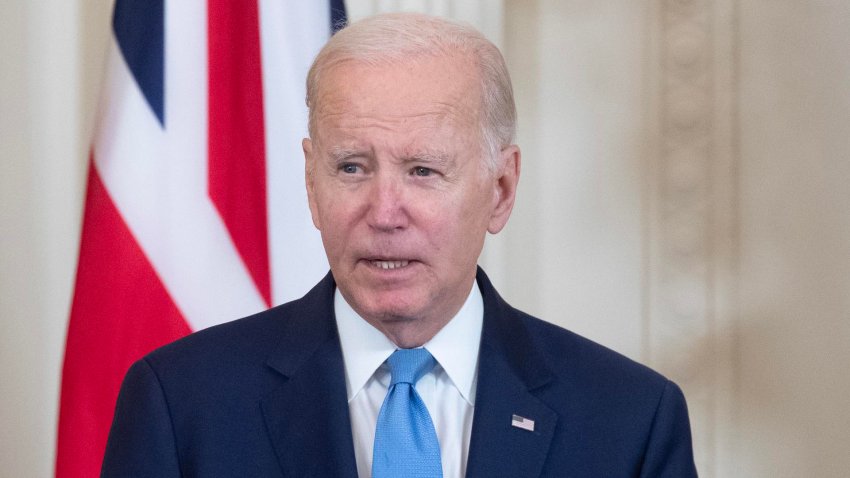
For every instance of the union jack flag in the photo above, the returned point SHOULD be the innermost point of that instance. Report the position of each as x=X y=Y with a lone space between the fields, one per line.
x=196 y=211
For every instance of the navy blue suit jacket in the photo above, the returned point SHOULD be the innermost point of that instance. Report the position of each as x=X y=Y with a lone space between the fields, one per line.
x=265 y=396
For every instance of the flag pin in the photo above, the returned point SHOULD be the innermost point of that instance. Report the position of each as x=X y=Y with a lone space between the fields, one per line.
x=522 y=422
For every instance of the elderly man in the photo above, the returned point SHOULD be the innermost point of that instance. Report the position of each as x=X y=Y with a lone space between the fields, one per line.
x=403 y=361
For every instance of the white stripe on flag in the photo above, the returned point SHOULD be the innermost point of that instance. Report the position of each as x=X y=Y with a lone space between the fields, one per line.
x=292 y=33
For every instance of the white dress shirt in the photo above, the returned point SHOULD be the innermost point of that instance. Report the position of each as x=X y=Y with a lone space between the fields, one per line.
x=448 y=390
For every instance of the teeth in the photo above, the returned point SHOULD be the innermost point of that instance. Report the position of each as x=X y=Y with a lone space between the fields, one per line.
x=389 y=264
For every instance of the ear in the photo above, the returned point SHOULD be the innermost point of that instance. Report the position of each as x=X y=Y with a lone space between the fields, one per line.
x=309 y=179
x=505 y=184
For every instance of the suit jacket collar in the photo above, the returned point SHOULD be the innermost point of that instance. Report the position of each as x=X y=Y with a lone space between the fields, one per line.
x=509 y=371
x=307 y=417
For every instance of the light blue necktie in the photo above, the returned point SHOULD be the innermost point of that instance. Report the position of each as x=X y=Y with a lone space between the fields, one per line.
x=405 y=439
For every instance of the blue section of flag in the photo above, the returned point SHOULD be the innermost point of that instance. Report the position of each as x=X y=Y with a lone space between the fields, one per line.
x=139 y=27
x=338 y=17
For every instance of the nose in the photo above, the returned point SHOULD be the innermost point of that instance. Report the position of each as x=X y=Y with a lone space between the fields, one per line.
x=387 y=209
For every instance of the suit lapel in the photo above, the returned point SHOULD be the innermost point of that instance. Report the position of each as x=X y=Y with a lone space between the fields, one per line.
x=509 y=371
x=307 y=416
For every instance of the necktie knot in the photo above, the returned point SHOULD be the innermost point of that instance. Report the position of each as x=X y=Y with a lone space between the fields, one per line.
x=409 y=365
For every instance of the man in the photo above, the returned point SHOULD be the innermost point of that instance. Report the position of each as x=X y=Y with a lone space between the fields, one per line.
x=409 y=164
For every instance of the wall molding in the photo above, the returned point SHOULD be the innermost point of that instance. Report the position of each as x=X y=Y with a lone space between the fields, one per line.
x=691 y=213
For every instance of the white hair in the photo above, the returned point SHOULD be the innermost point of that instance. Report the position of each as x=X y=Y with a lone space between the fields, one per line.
x=396 y=37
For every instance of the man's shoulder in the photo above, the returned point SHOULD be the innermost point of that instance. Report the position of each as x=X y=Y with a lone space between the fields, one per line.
x=238 y=348
x=569 y=353
x=574 y=361
x=613 y=413
x=255 y=336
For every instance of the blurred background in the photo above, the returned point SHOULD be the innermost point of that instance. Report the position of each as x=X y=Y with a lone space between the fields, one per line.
x=685 y=200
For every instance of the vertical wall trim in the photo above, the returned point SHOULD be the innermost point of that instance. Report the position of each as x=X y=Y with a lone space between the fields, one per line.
x=691 y=209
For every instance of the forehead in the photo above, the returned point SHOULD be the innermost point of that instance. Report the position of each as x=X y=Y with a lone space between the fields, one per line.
x=442 y=90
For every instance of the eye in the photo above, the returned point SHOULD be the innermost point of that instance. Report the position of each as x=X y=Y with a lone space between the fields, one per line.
x=349 y=168
x=422 y=171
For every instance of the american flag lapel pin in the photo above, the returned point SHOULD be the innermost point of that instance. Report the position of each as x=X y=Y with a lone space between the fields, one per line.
x=522 y=422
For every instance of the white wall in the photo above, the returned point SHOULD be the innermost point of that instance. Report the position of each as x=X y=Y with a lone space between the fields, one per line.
x=684 y=201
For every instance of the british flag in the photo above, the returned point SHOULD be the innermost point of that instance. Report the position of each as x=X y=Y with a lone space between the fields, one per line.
x=195 y=211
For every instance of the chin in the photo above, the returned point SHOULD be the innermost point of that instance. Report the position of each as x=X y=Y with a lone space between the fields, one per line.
x=394 y=315
x=405 y=332
x=396 y=305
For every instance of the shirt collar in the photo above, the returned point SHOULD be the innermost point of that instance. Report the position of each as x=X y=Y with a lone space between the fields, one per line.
x=455 y=346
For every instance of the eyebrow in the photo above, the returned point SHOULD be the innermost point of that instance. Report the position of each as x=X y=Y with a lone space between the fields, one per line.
x=340 y=155
x=439 y=160
x=437 y=157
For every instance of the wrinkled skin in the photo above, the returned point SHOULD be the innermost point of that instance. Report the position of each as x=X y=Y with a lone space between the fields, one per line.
x=398 y=187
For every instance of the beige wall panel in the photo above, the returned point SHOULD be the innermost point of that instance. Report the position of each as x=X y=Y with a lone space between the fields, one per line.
x=795 y=239
x=20 y=383
x=573 y=246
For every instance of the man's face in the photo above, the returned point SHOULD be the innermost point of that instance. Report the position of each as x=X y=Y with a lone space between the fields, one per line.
x=399 y=188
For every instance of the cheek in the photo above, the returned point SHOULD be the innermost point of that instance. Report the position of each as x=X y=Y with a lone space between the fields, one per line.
x=333 y=215
x=455 y=227
x=333 y=203
x=476 y=208
x=475 y=214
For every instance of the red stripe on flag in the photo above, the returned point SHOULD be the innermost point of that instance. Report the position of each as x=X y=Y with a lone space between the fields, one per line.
x=120 y=312
x=237 y=163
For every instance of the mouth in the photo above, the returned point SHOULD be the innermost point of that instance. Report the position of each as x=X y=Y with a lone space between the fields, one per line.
x=389 y=264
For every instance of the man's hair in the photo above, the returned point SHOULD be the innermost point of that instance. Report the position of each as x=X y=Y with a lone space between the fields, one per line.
x=397 y=37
